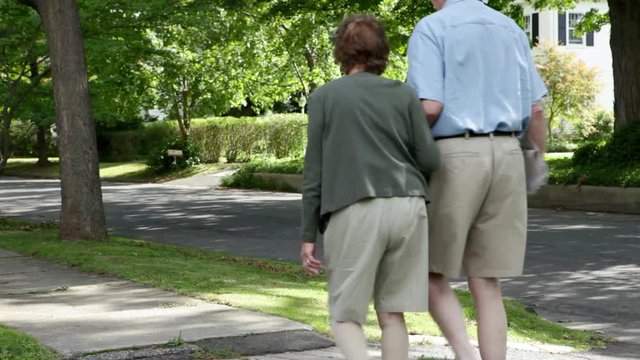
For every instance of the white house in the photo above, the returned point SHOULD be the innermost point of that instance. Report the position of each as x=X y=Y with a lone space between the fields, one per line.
x=592 y=48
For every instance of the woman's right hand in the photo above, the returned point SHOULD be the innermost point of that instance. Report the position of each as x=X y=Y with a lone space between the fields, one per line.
x=311 y=265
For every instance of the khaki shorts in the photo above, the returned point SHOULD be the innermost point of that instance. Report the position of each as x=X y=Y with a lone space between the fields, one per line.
x=377 y=247
x=478 y=212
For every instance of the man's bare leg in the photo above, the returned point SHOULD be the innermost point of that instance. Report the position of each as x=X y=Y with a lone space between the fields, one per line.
x=447 y=312
x=491 y=317
x=395 y=339
x=350 y=339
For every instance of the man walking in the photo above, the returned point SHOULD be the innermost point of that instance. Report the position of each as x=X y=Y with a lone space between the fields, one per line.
x=472 y=68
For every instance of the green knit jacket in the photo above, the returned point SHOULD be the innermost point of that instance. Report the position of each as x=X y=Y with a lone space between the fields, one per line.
x=367 y=137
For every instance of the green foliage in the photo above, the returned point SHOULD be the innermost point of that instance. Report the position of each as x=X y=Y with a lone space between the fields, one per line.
x=565 y=171
x=588 y=152
x=238 y=139
x=229 y=139
x=572 y=88
x=22 y=134
x=624 y=146
x=127 y=145
x=593 y=20
x=595 y=126
x=279 y=166
x=162 y=162
x=560 y=145
x=612 y=162
x=623 y=149
x=245 y=177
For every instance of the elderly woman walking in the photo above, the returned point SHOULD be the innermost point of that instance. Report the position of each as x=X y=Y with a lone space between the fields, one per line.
x=369 y=149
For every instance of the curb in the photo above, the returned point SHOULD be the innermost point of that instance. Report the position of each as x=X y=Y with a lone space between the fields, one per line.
x=246 y=345
x=588 y=198
x=572 y=197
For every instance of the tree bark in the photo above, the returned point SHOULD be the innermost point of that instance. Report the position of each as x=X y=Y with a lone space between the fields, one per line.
x=625 y=32
x=41 y=146
x=5 y=150
x=82 y=213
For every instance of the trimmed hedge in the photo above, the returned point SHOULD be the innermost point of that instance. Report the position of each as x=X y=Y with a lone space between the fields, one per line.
x=222 y=138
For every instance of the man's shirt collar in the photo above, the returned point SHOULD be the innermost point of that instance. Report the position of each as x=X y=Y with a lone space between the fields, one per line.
x=451 y=2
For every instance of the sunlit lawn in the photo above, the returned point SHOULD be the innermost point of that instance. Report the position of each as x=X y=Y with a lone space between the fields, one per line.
x=17 y=346
x=274 y=287
x=115 y=171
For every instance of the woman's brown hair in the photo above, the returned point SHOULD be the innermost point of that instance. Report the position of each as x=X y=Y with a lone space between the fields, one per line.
x=361 y=41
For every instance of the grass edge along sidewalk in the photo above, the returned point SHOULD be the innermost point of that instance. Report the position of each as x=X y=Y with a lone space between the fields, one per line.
x=18 y=346
x=274 y=287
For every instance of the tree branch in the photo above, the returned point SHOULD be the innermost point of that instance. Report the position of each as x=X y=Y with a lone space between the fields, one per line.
x=30 y=3
x=35 y=82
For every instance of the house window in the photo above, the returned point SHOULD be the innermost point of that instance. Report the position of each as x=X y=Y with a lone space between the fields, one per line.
x=567 y=30
x=574 y=20
x=527 y=26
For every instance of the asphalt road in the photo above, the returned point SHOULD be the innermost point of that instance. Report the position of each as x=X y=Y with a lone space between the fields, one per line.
x=582 y=268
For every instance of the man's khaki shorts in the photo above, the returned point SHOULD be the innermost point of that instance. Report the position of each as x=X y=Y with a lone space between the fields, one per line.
x=478 y=212
x=377 y=247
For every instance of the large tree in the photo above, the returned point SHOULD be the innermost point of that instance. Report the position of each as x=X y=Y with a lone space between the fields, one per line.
x=625 y=32
x=82 y=213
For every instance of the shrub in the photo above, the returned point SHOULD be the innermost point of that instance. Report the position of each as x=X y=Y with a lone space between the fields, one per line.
x=139 y=144
x=285 y=136
x=278 y=166
x=162 y=162
x=624 y=146
x=595 y=126
x=571 y=83
x=588 y=152
x=22 y=137
x=622 y=149
x=558 y=145
x=244 y=177
x=230 y=139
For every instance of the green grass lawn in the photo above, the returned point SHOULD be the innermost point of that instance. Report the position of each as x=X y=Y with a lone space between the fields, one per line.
x=125 y=171
x=273 y=287
x=17 y=346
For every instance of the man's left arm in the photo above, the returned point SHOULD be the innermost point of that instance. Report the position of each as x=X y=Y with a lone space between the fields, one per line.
x=537 y=126
x=426 y=70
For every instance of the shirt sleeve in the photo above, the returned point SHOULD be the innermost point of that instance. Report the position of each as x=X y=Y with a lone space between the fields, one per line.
x=426 y=153
x=312 y=173
x=426 y=64
x=538 y=88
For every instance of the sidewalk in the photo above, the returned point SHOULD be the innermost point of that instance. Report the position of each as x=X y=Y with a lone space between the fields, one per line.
x=77 y=313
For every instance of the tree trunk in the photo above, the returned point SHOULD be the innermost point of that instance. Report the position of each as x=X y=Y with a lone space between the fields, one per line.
x=41 y=145
x=625 y=32
x=82 y=213
x=5 y=146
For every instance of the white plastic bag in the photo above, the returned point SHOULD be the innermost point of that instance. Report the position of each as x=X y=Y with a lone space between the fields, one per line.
x=536 y=169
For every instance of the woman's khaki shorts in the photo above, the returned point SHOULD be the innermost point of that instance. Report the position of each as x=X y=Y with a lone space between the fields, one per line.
x=377 y=247
x=478 y=212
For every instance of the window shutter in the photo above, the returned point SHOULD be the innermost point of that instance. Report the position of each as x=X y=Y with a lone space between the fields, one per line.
x=562 y=29
x=590 y=38
x=534 y=28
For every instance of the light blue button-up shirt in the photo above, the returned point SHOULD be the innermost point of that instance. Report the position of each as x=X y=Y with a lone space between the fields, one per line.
x=477 y=62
